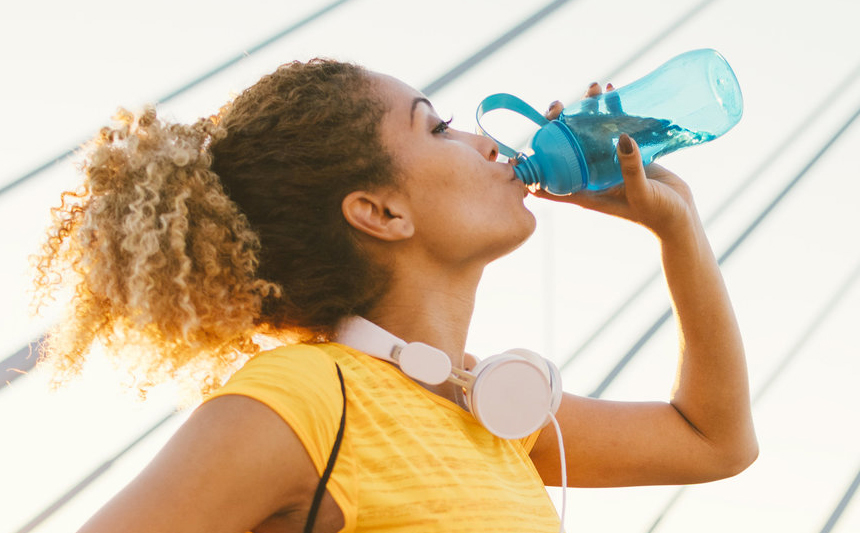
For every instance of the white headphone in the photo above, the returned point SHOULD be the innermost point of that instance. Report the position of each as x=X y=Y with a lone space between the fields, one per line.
x=511 y=394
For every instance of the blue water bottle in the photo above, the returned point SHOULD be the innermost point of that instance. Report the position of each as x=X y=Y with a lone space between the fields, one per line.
x=691 y=99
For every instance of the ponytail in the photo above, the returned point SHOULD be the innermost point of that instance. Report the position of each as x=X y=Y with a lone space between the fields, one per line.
x=184 y=241
x=162 y=262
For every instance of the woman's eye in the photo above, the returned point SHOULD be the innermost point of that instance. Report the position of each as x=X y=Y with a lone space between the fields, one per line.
x=443 y=126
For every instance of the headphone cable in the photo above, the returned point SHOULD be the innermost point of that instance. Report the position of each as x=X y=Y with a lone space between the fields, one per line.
x=563 y=470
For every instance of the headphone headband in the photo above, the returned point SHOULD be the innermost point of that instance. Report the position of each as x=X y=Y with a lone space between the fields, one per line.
x=511 y=394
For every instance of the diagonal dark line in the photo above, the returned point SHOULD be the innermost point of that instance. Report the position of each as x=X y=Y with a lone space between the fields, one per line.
x=492 y=47
x=817 y=321
x=809 y=332
x=38 y=170
x=736 y=193
x=625 y=360
x=842 y=505
x=782 y=194
x=254 y=49
x=19 y=363
x=87 y=481
x=660 y=37
x=631 y=353
x=196 y=81
x=671 y=503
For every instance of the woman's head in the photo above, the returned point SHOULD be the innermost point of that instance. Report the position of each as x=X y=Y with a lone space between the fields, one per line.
x=462 y=206
x=178 y=275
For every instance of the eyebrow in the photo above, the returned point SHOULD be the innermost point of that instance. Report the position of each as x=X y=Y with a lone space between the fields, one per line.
x=415 y=103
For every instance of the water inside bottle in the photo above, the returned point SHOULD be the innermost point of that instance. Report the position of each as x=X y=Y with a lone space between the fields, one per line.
x=598 y=135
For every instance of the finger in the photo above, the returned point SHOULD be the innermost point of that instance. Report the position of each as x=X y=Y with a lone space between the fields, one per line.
x=590 y=103
x=593 y=90
x=613 y=101
x=554 y=110
x=632 y=170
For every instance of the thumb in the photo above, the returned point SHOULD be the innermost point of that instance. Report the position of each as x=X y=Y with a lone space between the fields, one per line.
x=630 y=161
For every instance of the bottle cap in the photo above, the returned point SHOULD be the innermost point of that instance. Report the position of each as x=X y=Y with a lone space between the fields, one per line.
x=558 y=164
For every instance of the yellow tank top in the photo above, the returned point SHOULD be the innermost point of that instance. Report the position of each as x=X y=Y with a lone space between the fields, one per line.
x=410 y=461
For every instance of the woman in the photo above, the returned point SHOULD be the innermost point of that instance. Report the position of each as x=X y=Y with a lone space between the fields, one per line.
x=323 y=192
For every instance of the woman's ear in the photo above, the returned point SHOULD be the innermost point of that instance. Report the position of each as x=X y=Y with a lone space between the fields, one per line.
x=380 y=215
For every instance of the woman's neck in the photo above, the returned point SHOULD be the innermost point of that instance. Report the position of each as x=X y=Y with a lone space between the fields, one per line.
x=433 y=309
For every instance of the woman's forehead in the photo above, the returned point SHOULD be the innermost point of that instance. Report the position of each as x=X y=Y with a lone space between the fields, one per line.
x=399 y=98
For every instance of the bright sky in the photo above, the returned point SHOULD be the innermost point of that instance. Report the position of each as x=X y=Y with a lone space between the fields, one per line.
x=67 y=66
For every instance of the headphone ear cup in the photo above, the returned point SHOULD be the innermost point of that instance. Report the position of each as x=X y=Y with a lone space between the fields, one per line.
x=534 y=357
x=511 y=395
x=555 y=383
x=553 y=375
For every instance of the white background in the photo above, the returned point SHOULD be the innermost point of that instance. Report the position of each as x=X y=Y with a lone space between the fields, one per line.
x=65 y=67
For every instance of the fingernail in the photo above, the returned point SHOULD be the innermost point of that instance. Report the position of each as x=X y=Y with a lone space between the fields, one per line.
x=625 y=144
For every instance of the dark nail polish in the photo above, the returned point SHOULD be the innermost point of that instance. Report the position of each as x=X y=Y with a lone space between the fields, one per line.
x=625 y=144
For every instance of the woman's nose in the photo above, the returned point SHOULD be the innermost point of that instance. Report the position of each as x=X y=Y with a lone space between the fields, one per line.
x=486 y=146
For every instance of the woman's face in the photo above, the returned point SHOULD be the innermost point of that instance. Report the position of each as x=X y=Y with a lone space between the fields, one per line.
x=464 y=204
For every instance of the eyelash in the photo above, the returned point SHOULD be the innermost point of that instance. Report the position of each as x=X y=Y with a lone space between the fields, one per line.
x=443 y=126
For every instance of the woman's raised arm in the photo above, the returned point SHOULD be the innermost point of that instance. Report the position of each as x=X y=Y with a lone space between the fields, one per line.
x=705 y=431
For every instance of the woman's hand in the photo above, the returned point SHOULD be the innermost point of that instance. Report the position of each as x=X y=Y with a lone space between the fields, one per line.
x=653 y=197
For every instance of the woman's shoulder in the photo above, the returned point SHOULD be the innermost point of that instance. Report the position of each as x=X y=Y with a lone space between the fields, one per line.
x=299 y=382
x=291 y=358
x=289 y=367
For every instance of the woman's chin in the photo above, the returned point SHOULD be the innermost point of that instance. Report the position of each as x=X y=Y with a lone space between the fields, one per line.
x=521 y=233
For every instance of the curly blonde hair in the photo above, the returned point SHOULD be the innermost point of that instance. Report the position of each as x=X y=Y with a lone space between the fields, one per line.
x=184 y=241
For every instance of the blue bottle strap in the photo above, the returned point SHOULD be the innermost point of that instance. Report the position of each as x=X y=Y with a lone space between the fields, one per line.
x=511 y=103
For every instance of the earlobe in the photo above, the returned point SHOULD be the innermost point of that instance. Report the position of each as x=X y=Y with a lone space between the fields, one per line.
x=377 y=215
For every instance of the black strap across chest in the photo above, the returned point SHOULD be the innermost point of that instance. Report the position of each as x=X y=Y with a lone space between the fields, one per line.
x=315 y=505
